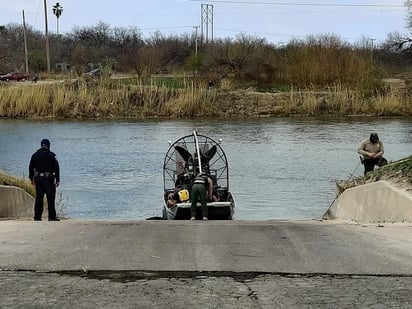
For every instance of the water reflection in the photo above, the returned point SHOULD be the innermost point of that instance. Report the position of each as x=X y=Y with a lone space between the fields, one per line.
x=279 y=168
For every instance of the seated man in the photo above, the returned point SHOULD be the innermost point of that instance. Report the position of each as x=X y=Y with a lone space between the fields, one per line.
x=179 y=196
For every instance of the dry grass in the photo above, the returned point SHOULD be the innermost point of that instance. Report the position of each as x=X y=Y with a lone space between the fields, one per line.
x=111 y=99
x=25 y=184
x=103 y=99
x=337 y=101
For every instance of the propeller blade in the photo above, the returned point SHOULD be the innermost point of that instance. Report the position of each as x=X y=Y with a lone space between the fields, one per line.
x=208 y=155
x=183 y=153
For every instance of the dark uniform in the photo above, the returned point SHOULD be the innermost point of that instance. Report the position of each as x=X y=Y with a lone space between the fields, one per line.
x=199 y=192
x=44 y=173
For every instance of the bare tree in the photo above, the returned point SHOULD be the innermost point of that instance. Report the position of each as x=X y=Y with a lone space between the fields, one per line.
x=12 y=47
x=125 y=45
x=230 y=56
x=395 y=40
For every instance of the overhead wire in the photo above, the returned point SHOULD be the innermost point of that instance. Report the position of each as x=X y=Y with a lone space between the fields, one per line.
x=37 y=14
x=304 y=4
x=278 y=34
x=173 y=27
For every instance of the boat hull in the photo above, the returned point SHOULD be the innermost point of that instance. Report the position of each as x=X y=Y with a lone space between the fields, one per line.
x=216 y=210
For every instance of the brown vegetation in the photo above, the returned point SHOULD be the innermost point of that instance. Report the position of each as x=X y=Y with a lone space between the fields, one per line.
x=115 y=99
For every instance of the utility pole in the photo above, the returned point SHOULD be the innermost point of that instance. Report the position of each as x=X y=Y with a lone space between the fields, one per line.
x=47 y=37
x=25 y=44
x=372 y=46
x=196 y=27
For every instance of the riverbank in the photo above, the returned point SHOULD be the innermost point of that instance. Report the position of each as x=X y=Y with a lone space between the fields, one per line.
x=397 y=172
x=114 y=98
x=381 y=196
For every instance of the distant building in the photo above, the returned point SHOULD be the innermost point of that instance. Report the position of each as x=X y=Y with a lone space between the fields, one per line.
x=62 y=67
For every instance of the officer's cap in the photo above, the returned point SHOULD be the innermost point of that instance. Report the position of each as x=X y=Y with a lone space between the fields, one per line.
x=45 y=142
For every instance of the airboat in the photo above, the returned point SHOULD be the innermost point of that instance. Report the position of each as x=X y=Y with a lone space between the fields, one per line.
x=186 y=158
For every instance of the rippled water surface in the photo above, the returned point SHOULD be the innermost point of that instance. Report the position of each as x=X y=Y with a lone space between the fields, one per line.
x=279 y=168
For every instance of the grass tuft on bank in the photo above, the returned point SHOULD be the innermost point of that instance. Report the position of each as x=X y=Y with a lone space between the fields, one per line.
x=25 y=184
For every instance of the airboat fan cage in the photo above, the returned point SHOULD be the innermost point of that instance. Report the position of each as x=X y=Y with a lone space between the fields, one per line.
x=181 y=160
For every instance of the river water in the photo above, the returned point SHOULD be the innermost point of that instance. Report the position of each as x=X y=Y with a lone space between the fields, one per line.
x=280 y=168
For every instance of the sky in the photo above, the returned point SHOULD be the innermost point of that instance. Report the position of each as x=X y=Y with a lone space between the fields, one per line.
x=276 y=20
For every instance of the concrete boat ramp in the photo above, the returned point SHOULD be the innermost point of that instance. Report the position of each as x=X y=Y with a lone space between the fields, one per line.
x=290 y=247
x=236 y=264
x=332 y=263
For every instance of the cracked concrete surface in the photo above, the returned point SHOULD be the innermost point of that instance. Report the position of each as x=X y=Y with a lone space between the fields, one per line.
x=234 y=264
x=52 y=290
x=214 y=264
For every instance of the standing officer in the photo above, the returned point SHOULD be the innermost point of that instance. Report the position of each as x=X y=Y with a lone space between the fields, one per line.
x=44 y=173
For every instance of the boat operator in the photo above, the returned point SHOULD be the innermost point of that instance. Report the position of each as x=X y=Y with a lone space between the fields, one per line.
x=201 y=189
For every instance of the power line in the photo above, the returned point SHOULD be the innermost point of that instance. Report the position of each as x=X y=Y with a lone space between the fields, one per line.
x=311 y=12
x=303 y=4
x=280 y=34
x=37 y=13
x=172 y=27
x=260 y=33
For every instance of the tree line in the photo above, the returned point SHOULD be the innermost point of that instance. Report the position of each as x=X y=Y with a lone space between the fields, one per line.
x=316 y=61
